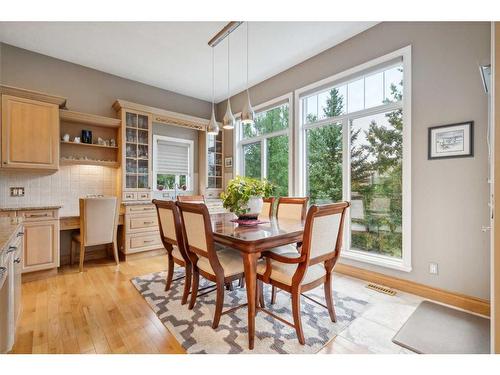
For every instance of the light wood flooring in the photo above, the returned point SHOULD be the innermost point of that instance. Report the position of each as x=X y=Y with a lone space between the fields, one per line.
x=100 y=311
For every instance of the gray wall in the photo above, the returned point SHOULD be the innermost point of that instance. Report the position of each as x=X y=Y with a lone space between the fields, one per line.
x=88 y=90
x=449 y=197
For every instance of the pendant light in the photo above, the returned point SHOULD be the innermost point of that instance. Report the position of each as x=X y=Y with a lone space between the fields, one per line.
x=228 y=120
x=247 y=114
x=213 y=126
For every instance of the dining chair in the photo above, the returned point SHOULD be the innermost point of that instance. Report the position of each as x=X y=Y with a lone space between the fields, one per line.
x=172 y=237
x=267 y=207
x=289 y=208
x=191 y=198
x=221 y=266
x=312 y=266
x=98 y=226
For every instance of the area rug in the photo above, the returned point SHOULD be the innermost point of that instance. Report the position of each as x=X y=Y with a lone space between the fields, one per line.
x=193 y=328
x=438 y=329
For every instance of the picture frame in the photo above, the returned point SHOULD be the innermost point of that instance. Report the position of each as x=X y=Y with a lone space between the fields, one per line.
x=451 y=141
x=228 y=162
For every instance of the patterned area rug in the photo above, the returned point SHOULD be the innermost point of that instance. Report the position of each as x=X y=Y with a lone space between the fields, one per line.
x=193 y=328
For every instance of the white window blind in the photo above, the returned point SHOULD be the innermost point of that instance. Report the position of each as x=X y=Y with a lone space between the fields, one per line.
x=172 y=158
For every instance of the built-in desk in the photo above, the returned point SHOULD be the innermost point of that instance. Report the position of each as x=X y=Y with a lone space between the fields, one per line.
x=73 y=222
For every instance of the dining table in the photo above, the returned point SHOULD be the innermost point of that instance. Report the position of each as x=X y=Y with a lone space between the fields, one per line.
x=251 y=241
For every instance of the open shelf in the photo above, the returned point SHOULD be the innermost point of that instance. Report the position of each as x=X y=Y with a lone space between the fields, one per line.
x=113 y=164
x=88 y=145
x=88 y=119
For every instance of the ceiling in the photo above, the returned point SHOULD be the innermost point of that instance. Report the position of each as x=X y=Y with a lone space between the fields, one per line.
x=175 y=55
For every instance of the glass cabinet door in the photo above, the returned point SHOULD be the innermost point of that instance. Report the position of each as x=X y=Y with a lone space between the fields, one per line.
x=214 y=161
x=136 y=151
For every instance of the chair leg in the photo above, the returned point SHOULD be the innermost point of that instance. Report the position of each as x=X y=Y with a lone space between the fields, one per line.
x=219 y=304
x=170 y=271
x=329 y=297
x=82 y=255
x=115 y=253
x=260 y=292
x=273 y=295
x=194 y=288
x=187 y=284
x=71 y=252
x=296 y=316
x=242 y=282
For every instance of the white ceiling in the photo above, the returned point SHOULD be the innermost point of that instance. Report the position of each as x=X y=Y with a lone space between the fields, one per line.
x=175 y=55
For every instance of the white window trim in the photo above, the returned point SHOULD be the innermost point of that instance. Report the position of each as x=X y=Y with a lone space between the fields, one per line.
x=238 y=143
x=403 y=264
x=190 y=142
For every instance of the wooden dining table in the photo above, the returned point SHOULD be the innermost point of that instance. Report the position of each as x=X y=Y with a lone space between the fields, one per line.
x=250 y=242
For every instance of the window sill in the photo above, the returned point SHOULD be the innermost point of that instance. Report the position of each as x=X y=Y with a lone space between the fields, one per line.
x=378 y=260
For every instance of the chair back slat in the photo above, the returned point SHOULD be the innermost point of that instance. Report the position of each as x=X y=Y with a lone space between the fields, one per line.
x=291 y=208
x=267 y=207
x=99 y=220
x=169 y=219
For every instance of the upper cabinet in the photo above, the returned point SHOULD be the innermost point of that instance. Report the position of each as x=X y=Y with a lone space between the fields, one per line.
x=29 y=129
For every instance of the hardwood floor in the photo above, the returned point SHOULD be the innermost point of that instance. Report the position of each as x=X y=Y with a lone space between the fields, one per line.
x=97 y=311
x=100 y=311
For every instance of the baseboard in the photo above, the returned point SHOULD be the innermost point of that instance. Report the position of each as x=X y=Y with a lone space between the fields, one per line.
x=38 y=275
x=473 y=304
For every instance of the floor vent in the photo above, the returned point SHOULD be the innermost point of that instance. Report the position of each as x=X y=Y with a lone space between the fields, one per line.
x=381 y=289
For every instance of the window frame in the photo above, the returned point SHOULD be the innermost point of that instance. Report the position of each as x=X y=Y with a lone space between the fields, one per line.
x=300 y=188
x=239 y=142
x=189 y=182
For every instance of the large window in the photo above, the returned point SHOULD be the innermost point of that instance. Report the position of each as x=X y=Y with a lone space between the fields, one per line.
x=172 y=163
x=263 y=148
x=353 y=141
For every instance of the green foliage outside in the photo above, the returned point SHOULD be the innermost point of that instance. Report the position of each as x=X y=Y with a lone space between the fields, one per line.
x=239 y=191
x=376 y=169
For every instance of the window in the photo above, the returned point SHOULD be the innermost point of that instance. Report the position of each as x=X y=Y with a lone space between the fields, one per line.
x=353 y=142
x=263 y=148
x=172 y=163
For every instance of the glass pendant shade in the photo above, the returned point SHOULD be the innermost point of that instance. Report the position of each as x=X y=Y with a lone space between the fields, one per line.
x=213 y=126
x=228 y=120
x=247 y=114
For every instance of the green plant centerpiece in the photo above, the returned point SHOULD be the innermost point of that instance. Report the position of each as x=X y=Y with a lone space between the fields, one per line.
x=243 y=196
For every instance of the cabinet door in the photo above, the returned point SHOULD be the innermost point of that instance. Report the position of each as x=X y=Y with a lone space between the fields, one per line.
x=30 y=134
x=41 y=245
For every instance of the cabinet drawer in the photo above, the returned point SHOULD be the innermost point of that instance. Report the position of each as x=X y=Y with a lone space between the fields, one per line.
x=143 y=222
x=143 y=196
x=129 y=196
x=141 y=209
x=137 y=242
x=38 y=215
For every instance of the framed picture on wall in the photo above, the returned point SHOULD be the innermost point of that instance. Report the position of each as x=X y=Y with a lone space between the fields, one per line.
x=228 y=162
x=451 y=141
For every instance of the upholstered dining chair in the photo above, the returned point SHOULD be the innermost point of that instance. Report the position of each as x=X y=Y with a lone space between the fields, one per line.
x=169 y=219
x=191 y=198
x=267 y=207
x=289 y=208
x=312 y=266
x=221 y=266
x=98 y=226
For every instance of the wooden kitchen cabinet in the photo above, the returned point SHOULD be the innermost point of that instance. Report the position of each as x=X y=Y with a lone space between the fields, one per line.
x=30 y=134
x=41 y=245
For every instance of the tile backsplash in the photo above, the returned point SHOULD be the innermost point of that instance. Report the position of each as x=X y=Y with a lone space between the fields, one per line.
x=64 y=187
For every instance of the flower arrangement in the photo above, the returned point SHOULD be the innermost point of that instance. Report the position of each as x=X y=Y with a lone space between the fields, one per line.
x=244 y=190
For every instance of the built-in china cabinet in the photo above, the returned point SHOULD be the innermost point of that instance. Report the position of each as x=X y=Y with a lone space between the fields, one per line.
x=211 y=164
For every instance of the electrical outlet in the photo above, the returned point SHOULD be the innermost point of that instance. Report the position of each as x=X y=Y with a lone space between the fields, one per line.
x=433 y=268
x=17 y=191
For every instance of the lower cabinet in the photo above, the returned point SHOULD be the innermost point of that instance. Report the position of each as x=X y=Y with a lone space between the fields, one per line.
x=141 y=230
x=41 y=245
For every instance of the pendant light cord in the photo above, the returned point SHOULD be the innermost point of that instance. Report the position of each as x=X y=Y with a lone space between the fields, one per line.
x=213 y=77
x=228 y=66
x=248 y=25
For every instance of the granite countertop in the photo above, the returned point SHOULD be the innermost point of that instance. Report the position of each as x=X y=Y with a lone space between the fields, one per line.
x=26 y=208
x=8 y=229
